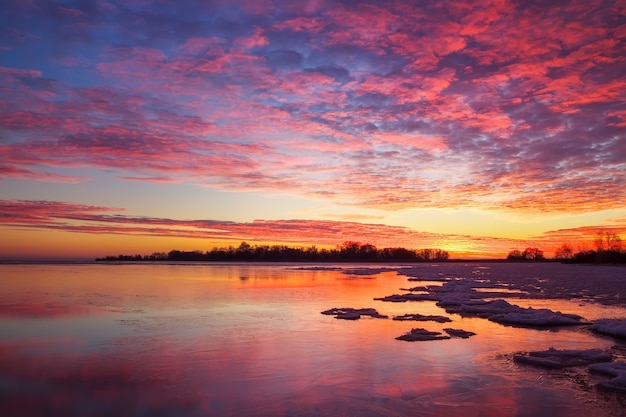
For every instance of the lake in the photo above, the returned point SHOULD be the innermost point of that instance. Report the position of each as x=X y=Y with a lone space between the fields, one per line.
x=162 y=339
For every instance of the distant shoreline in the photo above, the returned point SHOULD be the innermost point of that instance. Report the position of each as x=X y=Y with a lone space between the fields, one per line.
x=171 y=262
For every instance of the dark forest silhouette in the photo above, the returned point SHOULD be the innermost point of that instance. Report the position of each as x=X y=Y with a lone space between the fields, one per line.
x=348 y=252
x=608 y=249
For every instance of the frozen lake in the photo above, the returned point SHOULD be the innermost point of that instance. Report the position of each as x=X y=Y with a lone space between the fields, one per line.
x=249 y=340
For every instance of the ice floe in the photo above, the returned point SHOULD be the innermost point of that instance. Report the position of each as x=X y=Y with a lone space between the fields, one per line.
x=421 y=317
x=501 y=311
x=558 y=359
x=348 y=313
x=482 y=308
x=417 y=335
x=611 y=327
x=463 y=334
x=430 y=278
x=401 y=298
x=452 y=293
x=537 y=318
x=422 y=288
x=617 y=370
x=462 y=298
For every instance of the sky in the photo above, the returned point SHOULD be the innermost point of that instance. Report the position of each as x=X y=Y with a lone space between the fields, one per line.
x=476 y=127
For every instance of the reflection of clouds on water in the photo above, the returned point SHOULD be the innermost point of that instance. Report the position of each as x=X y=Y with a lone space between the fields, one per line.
x=58 y=384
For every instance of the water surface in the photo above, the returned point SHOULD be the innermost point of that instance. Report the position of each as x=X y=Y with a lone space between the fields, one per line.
x=249 y=340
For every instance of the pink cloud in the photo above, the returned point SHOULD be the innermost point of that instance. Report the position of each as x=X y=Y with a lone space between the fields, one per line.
x=203 y=46
x=620 y=115
x=302 y=24
x=248 y=42
x=364 y=25
x=482 y=16
x=12 y=73
x=44 y=212
x=28 y=120
x=430 y=143
x=43 y=176
x=485 y=89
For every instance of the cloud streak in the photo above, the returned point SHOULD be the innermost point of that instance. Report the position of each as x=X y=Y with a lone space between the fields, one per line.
x=77 y=218
x=65 y=216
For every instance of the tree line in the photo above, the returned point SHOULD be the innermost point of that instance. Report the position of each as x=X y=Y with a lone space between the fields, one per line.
x=347 y=252
x=608 y=249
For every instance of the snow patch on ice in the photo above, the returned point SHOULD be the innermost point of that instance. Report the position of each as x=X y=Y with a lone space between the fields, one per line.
x=558 y=359
x=482 y=308
x=617 y=370
x=536 y=318
x=503 y=312
x=611 y=327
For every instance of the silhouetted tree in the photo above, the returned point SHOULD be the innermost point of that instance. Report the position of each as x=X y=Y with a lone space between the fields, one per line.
x=431 y=255
x=585 y=256
x=515 y=255
x=398 y=255
x=608 y=241
x=349 y=249
x=564 y=253
x=609 y=249
x=529 y=254
x=533 y=254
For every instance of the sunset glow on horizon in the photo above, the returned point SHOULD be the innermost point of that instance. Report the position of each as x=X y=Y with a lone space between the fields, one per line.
x=145 y=126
